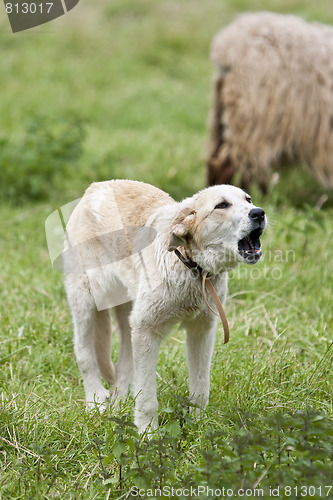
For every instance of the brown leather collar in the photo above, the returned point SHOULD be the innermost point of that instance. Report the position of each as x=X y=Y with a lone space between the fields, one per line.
x=195 y=268
x=204 y=275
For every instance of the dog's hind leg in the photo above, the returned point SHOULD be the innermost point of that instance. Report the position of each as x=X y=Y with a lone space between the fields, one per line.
x=85 y=319
x=124 y=365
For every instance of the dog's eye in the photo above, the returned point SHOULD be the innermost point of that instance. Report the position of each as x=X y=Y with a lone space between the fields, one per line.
x=223 y=204
x=248 y=199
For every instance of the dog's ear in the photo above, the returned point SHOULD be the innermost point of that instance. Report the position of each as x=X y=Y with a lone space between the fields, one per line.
x=182 y=228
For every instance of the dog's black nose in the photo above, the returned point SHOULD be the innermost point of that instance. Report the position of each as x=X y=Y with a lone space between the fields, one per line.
x=257 y=214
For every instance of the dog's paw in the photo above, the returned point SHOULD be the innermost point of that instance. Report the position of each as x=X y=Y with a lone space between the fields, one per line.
x=145 y=424
x=148 y=430
x=98 y=400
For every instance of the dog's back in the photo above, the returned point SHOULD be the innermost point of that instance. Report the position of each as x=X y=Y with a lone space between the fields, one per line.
x=116 y=204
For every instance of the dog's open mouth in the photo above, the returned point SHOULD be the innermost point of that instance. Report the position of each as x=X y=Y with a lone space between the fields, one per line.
x=249 y=247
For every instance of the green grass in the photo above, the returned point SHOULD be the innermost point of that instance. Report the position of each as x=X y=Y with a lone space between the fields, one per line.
x=277 y=362
x=122 y=89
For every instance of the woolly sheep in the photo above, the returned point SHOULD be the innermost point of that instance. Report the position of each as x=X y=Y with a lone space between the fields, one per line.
x=272 y=99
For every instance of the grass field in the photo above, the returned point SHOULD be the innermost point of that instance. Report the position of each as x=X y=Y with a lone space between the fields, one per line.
x=122 y=89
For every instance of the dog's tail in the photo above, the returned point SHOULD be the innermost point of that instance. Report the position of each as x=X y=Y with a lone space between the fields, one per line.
x=102 y=342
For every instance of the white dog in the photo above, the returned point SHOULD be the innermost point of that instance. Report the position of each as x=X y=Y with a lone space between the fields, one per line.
x=120 y=252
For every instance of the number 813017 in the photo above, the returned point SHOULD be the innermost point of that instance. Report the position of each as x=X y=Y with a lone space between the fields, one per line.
x=28 y=8
x=308 y=491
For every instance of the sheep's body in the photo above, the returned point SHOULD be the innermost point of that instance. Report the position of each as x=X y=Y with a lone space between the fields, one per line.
x=273 y=97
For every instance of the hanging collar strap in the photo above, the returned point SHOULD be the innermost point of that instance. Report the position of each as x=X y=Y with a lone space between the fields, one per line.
x=204 y=275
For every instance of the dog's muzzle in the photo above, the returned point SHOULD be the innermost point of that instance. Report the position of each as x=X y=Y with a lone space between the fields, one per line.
x=249 y=247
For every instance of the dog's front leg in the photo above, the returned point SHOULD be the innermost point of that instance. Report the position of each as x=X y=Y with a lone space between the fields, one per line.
x=145 y=344
x=200 y=344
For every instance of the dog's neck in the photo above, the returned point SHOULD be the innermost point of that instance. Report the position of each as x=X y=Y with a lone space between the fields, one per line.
x=204 y=275
x=195 y=268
